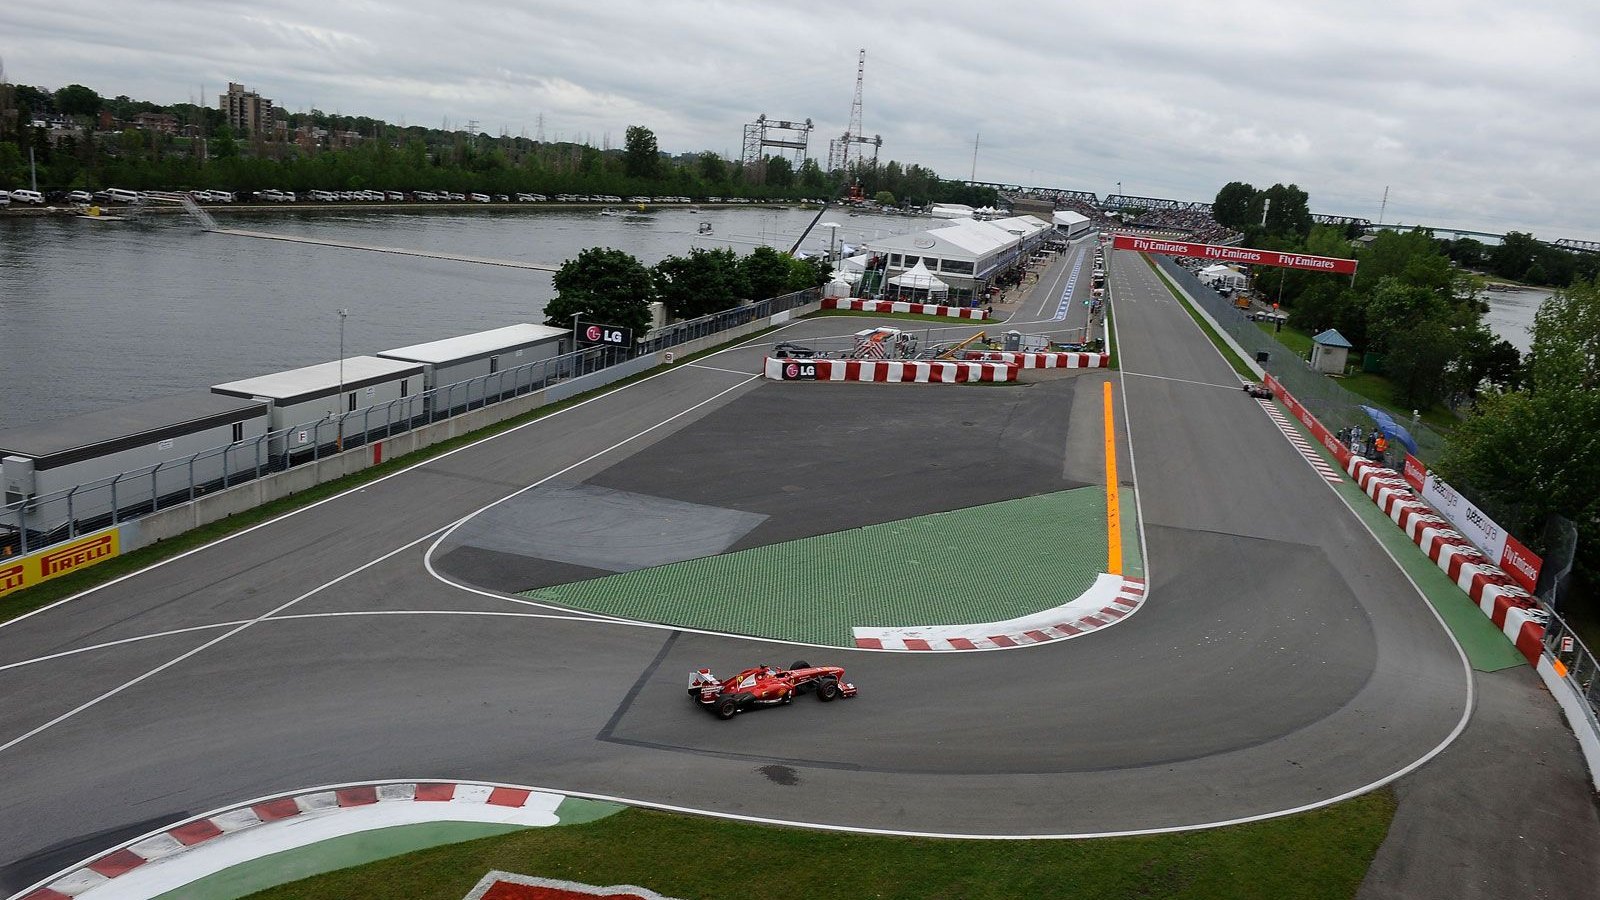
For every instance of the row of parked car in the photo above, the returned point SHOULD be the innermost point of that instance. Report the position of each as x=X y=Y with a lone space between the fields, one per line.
x=119 y=195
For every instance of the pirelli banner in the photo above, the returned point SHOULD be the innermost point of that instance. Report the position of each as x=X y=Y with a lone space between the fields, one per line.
x=18 y=572
x=1245 y=255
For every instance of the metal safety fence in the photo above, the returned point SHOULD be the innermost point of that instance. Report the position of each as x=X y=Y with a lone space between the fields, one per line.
x=38 y=522
x=1335 y=406
x=669 y=336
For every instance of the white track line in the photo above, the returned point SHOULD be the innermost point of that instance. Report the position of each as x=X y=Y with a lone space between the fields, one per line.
x=719 y=369
x=211 y=643
x=427 y=558
x=1230 y=387
x=577 y=615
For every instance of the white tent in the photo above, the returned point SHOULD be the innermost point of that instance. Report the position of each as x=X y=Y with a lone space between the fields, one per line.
x=951 y=211
x=918 y=278
x=854 y=263
x=845 y=275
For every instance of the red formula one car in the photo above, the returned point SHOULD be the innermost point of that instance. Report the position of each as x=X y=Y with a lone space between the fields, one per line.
x=767 y=686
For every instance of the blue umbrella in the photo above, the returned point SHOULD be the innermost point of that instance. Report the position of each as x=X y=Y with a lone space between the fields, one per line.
x=1390 y=428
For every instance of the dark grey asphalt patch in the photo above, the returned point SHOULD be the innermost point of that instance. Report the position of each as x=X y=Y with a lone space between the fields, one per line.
x=509 y=572
x=824 y=458
x=603 y=528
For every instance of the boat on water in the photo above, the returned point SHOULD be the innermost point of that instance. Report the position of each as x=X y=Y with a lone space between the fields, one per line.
x=611 y=211
x=705 y=227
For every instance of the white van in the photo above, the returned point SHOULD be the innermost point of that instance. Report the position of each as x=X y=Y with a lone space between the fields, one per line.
x=324 y=196
x=24 y=196
x=118 y=195
x=393 y=195
x=478 y=198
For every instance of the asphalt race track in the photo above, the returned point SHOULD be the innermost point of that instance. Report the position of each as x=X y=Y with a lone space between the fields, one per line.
x=1281 y=660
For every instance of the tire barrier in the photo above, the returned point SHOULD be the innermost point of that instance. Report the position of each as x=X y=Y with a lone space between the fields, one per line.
x=900 y=306
x=1512 y=609
x=889 y=370
x=1041 y=360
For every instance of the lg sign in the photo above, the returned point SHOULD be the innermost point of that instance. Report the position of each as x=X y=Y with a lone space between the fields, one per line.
x=800 y=371
x=611 y=335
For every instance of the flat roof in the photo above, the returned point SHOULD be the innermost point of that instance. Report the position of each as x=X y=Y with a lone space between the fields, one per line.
x=69 y=440
x=479 y=344
x=320 y=380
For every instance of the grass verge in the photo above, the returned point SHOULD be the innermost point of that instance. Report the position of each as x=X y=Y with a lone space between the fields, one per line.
x=1374 y=387
x=30 y=599
x=1110 y=338
x=1222 y=346
x=1315 y=856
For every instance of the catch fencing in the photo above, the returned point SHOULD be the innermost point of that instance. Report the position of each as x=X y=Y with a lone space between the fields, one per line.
x=37 y=523
x=1335 y=406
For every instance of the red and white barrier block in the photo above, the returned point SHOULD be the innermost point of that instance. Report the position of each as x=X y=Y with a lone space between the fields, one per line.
x=901 y=306
x=1040 y=360
x=1512 y=609
x=889 y=370
x=1109 y=600
x=177 y=855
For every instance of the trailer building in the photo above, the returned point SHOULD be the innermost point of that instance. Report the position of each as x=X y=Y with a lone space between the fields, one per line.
x=37 y=461
x=301 y=398
x=459 y=359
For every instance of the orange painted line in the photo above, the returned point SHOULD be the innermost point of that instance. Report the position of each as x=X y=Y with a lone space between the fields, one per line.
x=1113 y=514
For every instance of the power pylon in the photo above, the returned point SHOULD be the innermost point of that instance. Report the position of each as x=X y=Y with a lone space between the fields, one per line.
x=839 y=150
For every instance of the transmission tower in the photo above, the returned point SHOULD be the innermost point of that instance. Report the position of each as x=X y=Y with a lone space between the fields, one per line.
x=839 y=150
x=790 y=137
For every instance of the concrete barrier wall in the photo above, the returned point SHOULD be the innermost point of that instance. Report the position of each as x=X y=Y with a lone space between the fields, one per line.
x=892 y=371
x=900 y=306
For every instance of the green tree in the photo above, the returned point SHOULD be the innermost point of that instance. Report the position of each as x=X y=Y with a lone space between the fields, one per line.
x=77 y=100
x=1289 y=212
x=1233 y=204
x=1514 y=255
x=780 y=172
x=222 y=145
x=641 y=158
x=704 y=282
x=884 y=198
x=713 y=169
x=767 y=272
x=1418 y=362
x=1528 y=453
x=812 y=178
x=607 y=286
x=812 y=272
x=1397 y=307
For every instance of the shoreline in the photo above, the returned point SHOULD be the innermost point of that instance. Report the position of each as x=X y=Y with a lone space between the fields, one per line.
x=33 y=212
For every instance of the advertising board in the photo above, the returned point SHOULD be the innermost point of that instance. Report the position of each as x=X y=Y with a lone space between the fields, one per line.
x=1226 y=254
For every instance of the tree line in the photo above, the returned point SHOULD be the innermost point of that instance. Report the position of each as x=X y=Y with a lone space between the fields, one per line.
x=613 y=287
x=363 y=153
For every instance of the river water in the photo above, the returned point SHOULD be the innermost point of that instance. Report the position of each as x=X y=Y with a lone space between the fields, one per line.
x=98 y=314
x=1510 y=315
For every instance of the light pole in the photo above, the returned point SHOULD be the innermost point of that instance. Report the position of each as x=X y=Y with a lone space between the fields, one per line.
x=338 y=441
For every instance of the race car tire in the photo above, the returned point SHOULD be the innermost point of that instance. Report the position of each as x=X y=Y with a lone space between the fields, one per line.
x=788 y=698
x=800 y=664
x=727 y=707
x=827 y=689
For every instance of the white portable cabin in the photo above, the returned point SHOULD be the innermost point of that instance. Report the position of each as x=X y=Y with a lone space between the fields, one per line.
x=469 y=356
x=306 y=396
x=40 y=460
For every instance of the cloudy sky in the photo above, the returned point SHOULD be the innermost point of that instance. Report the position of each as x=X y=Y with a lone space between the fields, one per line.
x=1474 y=114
